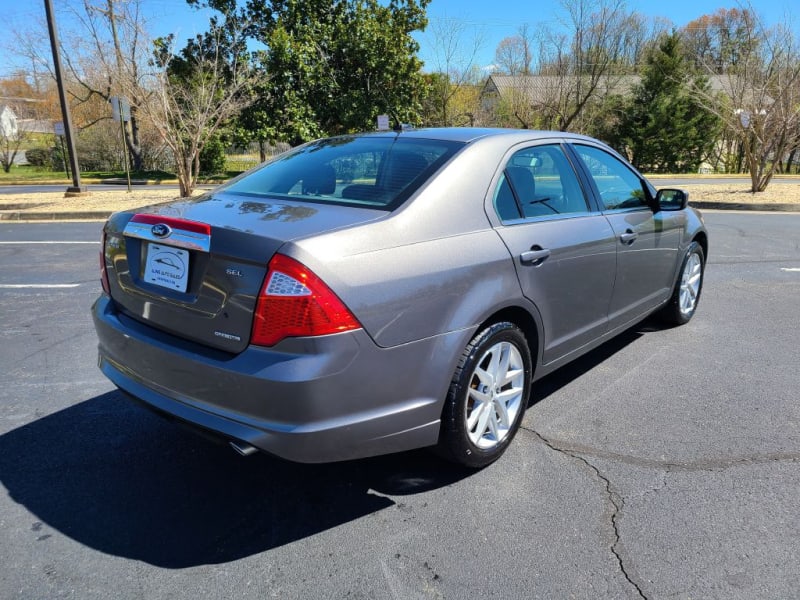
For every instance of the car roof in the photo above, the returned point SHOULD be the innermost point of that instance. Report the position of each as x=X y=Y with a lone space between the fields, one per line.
x=470 y=134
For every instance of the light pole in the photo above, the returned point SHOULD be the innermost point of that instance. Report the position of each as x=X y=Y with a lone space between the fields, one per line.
x=76 y=189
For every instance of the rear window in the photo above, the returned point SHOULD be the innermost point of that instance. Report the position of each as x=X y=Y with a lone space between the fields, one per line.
x=379 y=172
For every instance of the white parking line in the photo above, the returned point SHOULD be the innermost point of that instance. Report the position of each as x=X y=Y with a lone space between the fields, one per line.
x=37 y=286
x=790 y=269
x=47 y=242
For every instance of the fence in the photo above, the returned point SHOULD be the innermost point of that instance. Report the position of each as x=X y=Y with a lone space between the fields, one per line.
x=239 y=158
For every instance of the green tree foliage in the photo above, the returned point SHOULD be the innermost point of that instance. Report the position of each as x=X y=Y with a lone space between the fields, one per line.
x=663 y=127
x=212 y=157
x=330 y=66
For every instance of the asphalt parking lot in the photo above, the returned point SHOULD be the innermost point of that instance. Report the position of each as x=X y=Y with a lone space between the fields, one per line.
x=665 y=464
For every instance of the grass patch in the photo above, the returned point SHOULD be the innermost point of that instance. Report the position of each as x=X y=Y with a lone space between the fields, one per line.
x=27 y=173
x=32 y=174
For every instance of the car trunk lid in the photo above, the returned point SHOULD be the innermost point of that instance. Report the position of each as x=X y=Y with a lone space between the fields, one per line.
x=170 y=268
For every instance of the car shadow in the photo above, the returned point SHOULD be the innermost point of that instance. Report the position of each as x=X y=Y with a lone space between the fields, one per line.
x=123 y=481
x=550 y=384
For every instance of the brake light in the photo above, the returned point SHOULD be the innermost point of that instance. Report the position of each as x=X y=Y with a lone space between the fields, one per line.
x=294 y=302
x=174 y=222
x=103 y=270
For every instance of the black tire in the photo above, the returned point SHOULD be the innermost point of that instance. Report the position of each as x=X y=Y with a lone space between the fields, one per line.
x=504 y=401
x=686 y=295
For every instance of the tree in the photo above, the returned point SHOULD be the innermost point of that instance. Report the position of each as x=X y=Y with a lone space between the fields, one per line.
x=451 y=98
x=585 y=61
x=333 y=65
x=104 y=53
x=104 y=47
x=196 y=93
x=22 y=110
x=39 y=100
x=519 y=105
x=759 y=72
x=720 y=41
x=663 y=126
x=514 y=54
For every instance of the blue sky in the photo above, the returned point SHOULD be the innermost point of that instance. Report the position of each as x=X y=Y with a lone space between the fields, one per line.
x=492 y=20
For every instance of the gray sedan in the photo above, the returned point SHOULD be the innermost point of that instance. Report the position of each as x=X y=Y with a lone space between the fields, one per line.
x=374 y=293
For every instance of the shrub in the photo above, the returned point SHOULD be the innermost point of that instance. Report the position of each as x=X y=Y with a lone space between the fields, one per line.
x=212 y=157
x=38 y=157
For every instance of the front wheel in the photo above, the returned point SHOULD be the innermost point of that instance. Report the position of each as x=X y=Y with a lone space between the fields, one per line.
x=487 y=397
x=686 y=294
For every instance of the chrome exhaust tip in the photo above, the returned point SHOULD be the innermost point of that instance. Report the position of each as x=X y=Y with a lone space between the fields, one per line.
x=243 y=448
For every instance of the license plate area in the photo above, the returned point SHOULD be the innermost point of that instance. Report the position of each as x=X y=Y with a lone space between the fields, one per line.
x=167 y=267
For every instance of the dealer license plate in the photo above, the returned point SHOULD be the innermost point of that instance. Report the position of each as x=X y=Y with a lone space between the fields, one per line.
x=167 y=267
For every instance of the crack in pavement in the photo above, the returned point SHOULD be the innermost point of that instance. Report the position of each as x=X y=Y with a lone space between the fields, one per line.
x=616 y=500
x=614 y=497
x=713 y=465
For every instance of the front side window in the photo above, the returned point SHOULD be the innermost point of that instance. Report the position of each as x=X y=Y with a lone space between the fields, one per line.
x=619 y=187
x=379 y=171
x=537 y=182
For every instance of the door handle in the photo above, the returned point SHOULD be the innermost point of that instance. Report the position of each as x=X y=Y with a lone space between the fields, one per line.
x=535 y=256
x=628 y=237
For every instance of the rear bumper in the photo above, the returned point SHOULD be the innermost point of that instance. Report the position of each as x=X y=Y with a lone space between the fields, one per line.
x=320 y=399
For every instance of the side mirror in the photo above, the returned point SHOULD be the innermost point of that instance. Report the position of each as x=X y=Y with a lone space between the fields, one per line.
x=672 y=199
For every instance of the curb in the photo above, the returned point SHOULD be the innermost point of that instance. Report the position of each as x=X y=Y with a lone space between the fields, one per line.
x=94 y=215
x=102 y=215
x=764 y=207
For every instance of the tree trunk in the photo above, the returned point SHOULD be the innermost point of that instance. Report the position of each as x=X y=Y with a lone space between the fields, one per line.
x=132 y=139
x=790 y=160
x=185 y=176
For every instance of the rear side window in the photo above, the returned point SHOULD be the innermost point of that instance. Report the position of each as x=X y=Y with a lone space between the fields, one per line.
x=538 y=182
x=619 y=187
x=380 y=172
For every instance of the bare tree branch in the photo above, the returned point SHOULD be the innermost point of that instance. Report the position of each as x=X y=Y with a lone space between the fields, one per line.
x=189 y=107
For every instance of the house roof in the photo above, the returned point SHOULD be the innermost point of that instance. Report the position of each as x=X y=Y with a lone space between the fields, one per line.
x=538 y=89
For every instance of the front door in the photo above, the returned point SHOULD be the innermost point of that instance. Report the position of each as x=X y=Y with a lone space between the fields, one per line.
x=647 y=243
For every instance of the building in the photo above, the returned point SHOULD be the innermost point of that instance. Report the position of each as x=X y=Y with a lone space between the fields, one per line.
x=9 y=127
x=544 y=90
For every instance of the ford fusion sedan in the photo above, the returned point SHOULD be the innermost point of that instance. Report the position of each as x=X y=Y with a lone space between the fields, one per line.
x=375 y=293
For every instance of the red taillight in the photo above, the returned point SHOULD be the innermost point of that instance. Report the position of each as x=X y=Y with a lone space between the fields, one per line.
x=103 y=271
x=295 y=302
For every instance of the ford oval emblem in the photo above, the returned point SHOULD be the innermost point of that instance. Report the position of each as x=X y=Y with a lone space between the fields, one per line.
x=161 y=230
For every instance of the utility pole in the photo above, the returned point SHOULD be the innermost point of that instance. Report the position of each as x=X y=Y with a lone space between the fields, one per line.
x=76 y=189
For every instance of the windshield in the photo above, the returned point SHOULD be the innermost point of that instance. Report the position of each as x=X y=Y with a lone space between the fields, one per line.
x=380 y=172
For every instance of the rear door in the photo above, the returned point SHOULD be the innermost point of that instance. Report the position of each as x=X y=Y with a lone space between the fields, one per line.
x=564 y=253
x=647 y=243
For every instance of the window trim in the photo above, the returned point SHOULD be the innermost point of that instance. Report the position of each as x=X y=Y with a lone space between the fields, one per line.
x=647 y=187
x=562 y=144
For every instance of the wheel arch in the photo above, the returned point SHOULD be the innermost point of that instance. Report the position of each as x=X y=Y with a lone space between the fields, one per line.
x=701 y=237
x=529 y=326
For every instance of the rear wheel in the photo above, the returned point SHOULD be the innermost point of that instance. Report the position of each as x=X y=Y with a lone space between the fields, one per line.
x=686 y=295
x=487 y=397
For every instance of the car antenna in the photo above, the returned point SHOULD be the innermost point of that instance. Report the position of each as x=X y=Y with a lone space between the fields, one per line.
x=399 y=126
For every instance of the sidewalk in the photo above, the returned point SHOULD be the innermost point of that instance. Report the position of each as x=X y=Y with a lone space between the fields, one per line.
x=97 y=206
x=52 y=206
